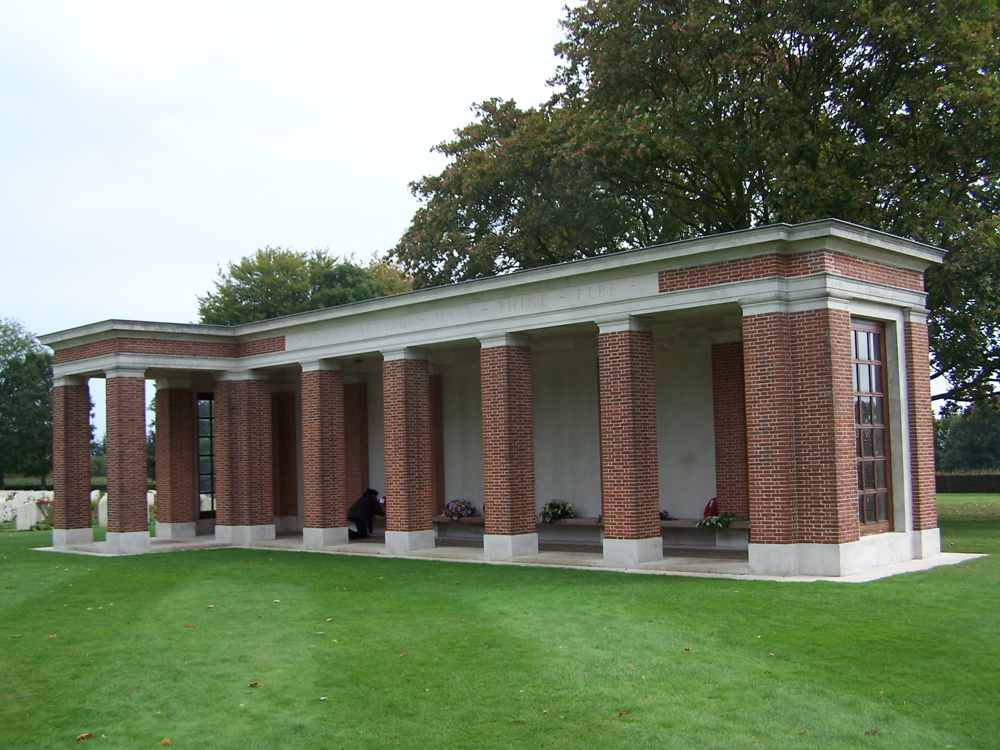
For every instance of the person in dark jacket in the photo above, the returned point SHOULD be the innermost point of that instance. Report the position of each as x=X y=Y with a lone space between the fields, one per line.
x=362 y=514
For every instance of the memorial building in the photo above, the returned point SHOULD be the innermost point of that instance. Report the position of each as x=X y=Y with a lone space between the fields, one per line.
x=782 y=370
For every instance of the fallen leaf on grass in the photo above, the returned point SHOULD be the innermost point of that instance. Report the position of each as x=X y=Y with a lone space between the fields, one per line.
x=403 y=654
x=256 y=684
x=165 y=741
x=871 y=732
x=84 y=737
x=190 y=625
x=17 y=636
x=52 y=636
x=623 y=713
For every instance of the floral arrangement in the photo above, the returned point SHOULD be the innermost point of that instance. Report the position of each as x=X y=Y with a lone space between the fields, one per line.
x=664 y=516
x=720 y=521
x=455 y=509
x=555 y=510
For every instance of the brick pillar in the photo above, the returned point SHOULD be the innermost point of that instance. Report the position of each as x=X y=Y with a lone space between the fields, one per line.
x=801 y=458
x=176 y=450
x=243 y=456
x=406 y=400
x=767 y=360
x=729 y=409
x=128 y=514
x=285 y=461
x=630 y=495
x=918 y=388
x=508 y=449
x=825 y=444
x=355 y=440
x=324 y=494
x=71 y=510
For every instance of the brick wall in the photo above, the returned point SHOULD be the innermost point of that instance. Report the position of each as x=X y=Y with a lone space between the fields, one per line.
x=406 y=401
x=729 y=409
x=629 y=462
x=176 y=451
x=323 y=470
x=356 y=477
x=770 y=412
x=169 y=347
x=285 y=485
x=243 y=455
x=71 y=457
x=800 y=428
x=788 y=266
x=921 y=426
x=508 y=447
x=825 y=442
x=126 y=454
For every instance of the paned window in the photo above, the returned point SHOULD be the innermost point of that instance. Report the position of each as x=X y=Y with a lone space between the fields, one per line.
x=871 y=428
x=206 y=455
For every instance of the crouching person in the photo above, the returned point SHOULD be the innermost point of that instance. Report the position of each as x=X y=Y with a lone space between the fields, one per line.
x=362 y=514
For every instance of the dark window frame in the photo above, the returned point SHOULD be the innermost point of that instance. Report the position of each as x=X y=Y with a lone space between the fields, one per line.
x=871 y=426
x=205 y=453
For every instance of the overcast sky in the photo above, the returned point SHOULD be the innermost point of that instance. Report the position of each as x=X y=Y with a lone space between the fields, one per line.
x=145 y=144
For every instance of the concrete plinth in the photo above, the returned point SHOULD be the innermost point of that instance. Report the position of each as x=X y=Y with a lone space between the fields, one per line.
x=127 y=542
x=65 y=538
x=243 y=536
x=405 y=542
x=630 y=553
x=176 y=531
x=320 y=538
x=509 y=546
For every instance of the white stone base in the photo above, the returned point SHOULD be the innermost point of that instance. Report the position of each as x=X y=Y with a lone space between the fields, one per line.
x=243 y=536
x=836 y=560
x=127 y=542
x=405 y=542
x=926 y=544
x=320 y=538
x=630 y=553
x=509 y=546
x=178 y=531
x=287 y=524
x=65 y=538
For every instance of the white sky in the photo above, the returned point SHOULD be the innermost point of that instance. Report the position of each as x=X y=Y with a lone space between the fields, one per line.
x=145 y=144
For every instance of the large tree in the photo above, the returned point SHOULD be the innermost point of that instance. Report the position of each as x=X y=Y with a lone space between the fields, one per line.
x=274 y=282
x=25 y=403
x=968 y=442
x=672 y=119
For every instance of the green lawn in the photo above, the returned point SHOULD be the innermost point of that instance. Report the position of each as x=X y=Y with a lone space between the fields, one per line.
x=262 y=649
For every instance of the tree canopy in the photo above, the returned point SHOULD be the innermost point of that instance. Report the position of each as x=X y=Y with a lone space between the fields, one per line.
x=968 y=442
x=274 y=282
x=675 y=119
x=25 y=403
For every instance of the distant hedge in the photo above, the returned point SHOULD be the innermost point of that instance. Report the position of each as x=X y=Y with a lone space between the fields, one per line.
x=968 y=483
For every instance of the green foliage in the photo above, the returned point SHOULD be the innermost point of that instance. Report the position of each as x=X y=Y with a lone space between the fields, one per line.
x=720 y=521
x=556 y=510
x=673 y=119
x=25 y=403
x=968 y=442
x=275 y=282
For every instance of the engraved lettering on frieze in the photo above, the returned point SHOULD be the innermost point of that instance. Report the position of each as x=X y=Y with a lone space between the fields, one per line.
x=526 y=304
x=596 y=292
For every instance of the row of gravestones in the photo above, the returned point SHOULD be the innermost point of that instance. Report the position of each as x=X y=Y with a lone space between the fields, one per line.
x=26 y=513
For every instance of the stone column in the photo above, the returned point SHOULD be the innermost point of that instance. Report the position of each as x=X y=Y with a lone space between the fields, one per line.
x=176 y=453
x=71 y=510
x=128 y=512
x=243 y=459
x=324 y=495
x=630 y=494
x=508 y=448
x=406 y=399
